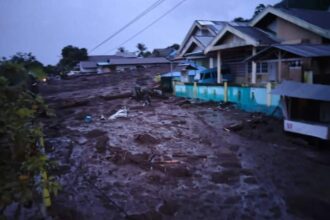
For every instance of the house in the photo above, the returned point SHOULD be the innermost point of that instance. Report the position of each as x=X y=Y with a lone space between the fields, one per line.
x=300 y=65
x=273 y=26
x=308 y=63
x=168 y=52
x=184 y=72
x=126 y=54
x=250 y=59
x=87 y=67
x=127 y=64
x=199 y=36
x=90 y=65
x=304 y=44
x=232 y=46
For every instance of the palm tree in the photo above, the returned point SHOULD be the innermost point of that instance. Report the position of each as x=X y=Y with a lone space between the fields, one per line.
x=141 y=48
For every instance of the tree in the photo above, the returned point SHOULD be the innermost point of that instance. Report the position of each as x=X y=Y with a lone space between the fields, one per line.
x=240 y=19
x=147 y=54
x=121 y=50
x=50 y=69
x=141 y=48
x=175 y=46
x=21 y=137
x=71 y=56
x=22 y=67
x=259 y=9
x=27 y=60
x=305 y=4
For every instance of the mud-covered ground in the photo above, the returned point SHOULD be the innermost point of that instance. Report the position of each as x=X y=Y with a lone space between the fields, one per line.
x=175 y=159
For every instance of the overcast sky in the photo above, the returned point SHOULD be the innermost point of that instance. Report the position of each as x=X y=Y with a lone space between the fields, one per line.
x=44 y=27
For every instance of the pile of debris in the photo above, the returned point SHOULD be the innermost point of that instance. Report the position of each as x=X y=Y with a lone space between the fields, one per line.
x=252 y=122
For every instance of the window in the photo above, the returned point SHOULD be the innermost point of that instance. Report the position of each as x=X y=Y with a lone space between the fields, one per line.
x=261 y=67
x=294 y=64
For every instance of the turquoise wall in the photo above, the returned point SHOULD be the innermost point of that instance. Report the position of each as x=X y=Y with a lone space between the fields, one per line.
x=249 y=99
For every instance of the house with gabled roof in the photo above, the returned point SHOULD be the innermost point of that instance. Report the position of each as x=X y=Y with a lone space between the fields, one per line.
x=301 y=64
x=304 y=44
x=233 y=45
x=237 y=46
x=200 y=34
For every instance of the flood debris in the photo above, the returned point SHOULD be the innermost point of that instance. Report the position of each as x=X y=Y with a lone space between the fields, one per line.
x=183 y=103
x=88 y=119
x=169 y=208
x=73 y=103
x=225 y=106
x=153 y=167
x=101 y=143
x=142 y=94
x=117 y=96
x=145 y=138
x=121 y=113
x=234 y=126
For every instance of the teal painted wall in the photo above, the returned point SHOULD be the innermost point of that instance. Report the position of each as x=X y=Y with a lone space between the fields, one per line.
x=249 y=99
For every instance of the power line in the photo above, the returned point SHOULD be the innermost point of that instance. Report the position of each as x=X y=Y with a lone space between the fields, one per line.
x=146 y=11
x=148 y=26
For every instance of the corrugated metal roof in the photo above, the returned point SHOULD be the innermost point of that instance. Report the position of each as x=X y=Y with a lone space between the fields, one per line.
x=256 y=34
x=303 y=90
x=171 y=74
x=163 y=52
x=137 y=61
x=306 y=50
x=103 y=58
x=318 y=18
x=300 y=50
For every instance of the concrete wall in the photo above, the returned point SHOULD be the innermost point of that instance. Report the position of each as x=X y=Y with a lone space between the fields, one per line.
x=291 y=33
x=251 y=99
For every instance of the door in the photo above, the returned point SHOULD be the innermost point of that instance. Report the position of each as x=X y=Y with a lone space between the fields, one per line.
x=272 y=71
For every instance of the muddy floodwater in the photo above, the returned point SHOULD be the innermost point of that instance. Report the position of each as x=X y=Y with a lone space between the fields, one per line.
x=175 y=159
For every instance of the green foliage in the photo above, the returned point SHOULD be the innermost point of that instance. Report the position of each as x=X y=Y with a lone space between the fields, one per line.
x=14 y=73
x=141 y=48
x=50 y=69
x=176 y=46
x=305 y=4
x=22 y=69
x=240 y=19
x=121 y=49
x=21 y=154
x=257 y=11
x=71 y=56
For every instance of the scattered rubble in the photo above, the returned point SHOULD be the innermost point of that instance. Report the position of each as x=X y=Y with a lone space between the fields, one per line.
x=121 y=113
x=145 y=139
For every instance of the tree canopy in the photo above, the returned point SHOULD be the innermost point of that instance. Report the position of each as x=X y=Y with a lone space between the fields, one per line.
x=305 y=4
x=257 y=10
x=141 y=49
x=71 y=56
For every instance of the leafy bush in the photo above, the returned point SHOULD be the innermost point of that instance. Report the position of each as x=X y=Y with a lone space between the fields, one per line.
x=22 y=158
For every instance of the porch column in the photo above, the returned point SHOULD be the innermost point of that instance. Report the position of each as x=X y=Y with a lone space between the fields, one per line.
x=211 y=64
x=279 y=69
x=254 y=68
x=219 y=75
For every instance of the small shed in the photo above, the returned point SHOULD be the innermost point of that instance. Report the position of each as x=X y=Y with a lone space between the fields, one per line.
x=306 y=108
